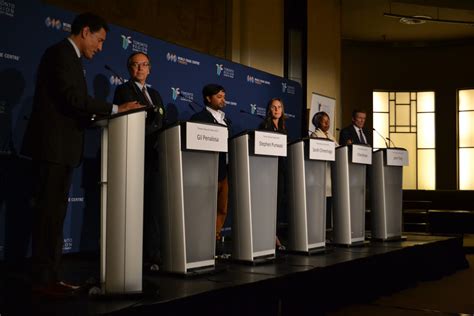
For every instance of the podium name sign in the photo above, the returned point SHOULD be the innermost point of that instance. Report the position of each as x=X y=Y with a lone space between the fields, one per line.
x=206 y=137
x=362 y=154
x=322 y=150
x=270 y=144
x=397 y=157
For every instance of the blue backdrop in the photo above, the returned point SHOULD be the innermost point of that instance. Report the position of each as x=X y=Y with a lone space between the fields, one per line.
x=27 y=28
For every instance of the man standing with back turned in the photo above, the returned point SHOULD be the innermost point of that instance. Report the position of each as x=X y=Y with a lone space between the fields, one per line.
x=54 y=140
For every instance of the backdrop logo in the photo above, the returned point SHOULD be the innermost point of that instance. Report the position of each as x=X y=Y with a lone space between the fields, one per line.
x=9 y=56
x=219 y=69
x=114 y=80
x=225 y=71
x=287 y=88
x=253 y=108
x=137 y=46
x=126 y=41
x=7 y=8
x=175 y=92
x=67 y=244
x=258 y=81
x=171 y=57
x=52 y=23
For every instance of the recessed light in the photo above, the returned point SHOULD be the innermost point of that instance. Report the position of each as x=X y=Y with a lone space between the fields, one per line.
x=415 y=20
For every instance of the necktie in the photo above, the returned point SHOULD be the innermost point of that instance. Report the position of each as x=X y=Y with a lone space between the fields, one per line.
x=361 y=136
x=147 y=99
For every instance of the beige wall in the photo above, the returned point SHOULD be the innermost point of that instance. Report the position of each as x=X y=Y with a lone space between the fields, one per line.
x=324 y=51
x=256 y=35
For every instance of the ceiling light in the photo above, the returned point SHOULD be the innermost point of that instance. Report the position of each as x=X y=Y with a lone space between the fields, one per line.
x=415 y=20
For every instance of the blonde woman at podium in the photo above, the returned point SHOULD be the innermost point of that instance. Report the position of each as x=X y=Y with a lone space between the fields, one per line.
x=275 y=122
x=321 y=122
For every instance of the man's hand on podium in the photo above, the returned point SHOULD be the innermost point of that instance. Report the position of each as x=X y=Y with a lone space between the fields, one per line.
x=127 y=106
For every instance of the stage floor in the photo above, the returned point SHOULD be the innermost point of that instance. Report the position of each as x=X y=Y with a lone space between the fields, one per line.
x=290 y=285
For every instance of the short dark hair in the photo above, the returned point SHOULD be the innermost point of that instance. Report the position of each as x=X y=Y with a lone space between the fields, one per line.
x=317 y=118
x=358 y=111
x=94 y=22
x=129 y=60
x=211 y=89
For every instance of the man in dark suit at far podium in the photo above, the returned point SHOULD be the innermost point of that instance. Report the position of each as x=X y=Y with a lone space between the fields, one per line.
x=214 y=100
x=54 y=140
x=356 y=133
x=136 y=89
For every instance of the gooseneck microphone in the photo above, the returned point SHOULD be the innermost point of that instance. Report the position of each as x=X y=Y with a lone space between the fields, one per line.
x=384 y=139
x=391 y=142
x=259 y=116
x=190 y=101
x=115 y=73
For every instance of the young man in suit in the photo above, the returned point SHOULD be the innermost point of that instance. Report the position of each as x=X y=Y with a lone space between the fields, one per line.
x=214 y=100
x=355 y=133
x=54 y=140
x=136 y=89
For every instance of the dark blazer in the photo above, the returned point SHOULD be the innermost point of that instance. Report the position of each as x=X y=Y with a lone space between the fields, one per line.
x=155 y=117
x=349 y=133
x=206 y=117
x=61 y=108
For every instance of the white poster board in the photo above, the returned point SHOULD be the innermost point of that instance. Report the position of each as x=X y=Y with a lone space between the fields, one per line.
x=322 y=103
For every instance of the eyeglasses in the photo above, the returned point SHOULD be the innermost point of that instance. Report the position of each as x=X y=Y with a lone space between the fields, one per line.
x=136 y=65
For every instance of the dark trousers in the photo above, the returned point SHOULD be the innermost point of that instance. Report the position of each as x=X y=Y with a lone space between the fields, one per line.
x=50 y=200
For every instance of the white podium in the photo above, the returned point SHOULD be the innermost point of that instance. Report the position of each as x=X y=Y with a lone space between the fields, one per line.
x=122 y=168
x=307 y=163
x=349 y=185
x=188 y=175
x=387 y=194
x=253 y=159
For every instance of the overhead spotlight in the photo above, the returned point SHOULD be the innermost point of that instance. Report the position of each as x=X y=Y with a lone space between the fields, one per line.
x=421 y=19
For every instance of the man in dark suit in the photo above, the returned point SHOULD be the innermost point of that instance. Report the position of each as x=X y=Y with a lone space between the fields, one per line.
x=54 y=140
x=356 y=133
x=136 y=89
x=214 y=99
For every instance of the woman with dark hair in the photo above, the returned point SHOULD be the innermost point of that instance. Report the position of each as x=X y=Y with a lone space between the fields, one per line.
x=275 y=122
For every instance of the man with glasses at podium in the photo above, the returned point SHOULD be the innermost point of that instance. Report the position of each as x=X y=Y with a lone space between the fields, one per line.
x=136 y=89
x=356 y=133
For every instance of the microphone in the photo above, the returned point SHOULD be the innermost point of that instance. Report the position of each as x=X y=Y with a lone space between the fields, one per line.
x=115 y=73
x=259 y=116
x=391 y=142
x=384 y=139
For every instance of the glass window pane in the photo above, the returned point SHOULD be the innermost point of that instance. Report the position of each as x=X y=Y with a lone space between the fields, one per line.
x=392 y=112
x=402 y=97
x=403 y=115
x=413 y=114
x=412 y=95
x=403 y=129
x=426 y=101
x=413 y=129
x=426 y=130
x=392 y=129
x=466 y=129
x=392 y=95
x=380 y=124
x=466 y=169
x=426 y=169
x=380 y=101
x=466 y=100
x=407 y=141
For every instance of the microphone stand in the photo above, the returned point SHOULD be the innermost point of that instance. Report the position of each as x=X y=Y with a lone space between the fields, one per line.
x=387 y=145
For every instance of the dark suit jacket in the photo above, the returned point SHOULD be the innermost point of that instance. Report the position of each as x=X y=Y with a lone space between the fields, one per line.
x=129 y=91
x=61 y=108
x=206 y=117
x=349 y=133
